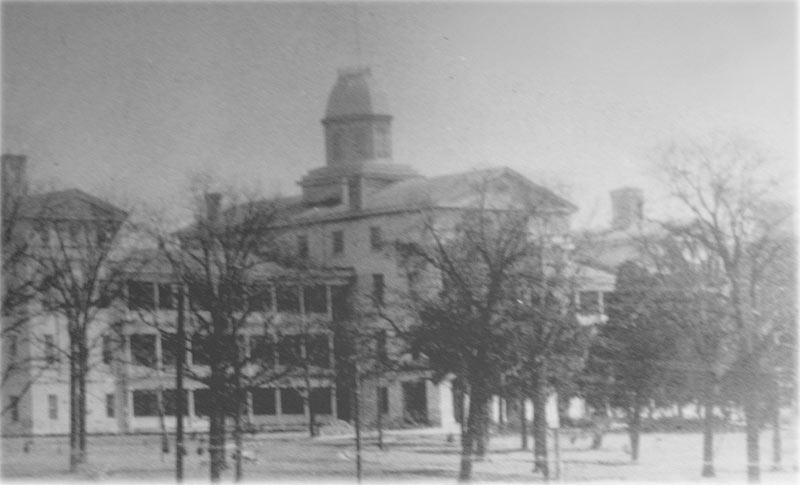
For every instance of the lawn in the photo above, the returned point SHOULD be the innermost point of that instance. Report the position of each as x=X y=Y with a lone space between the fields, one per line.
x=417 y=456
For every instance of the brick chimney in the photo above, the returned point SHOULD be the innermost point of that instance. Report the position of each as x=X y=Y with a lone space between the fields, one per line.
x=627 y=205
x=15 y=177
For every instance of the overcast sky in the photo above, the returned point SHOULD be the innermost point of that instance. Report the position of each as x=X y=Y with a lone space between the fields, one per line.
x=128 y=99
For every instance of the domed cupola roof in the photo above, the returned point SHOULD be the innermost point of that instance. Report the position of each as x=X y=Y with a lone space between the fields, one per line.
x=355 y=93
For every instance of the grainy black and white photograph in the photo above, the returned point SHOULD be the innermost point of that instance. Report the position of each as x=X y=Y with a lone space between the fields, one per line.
x=399 y=242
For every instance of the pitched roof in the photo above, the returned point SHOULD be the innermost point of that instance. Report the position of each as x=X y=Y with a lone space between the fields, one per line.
x=506 y=188
x=71 y=204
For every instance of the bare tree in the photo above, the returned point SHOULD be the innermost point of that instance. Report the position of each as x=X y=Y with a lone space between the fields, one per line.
x=462 y=278
x=80 y=276
x=553 y=341
x=230 y=260
x=690 y=293
x=726 y=188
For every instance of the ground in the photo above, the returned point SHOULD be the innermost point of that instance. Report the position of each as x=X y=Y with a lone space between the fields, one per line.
x=429 y=455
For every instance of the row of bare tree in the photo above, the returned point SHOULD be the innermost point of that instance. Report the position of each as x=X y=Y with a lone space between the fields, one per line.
x=490 y=302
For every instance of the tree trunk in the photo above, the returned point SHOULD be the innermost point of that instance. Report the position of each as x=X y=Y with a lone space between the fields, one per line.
x=477 y=398
x=482 y=439
x=751 y=417
x=307 y=374
x=523 y=424
x=562 y=401
x=216 y=430
x=634 y=428
x=84 y=370
x=161 y=420
x=74 y=409
x=776 y=436
x=237 y=437
x=599 y=427
x=540 y=422
x=708 y=436
x=216 y=444
x=380 y=416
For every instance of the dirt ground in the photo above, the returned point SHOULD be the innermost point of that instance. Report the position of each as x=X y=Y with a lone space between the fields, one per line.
x=429 y=456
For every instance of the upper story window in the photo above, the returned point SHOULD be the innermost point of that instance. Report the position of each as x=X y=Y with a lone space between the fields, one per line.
x=290 y=350
x=381 y=345
x=199 y=349
x=260 y=298
x=167 y=296
x=50 y=356
x=170 y=346
x=338 y=242
x=302 y=246
x=262 y=350
x=52 y=406
x=375 y=238
x=200 y=296
x=108 y=349
x=318 y=350
x=141 y=295
x=288 y=299
x=315 y=299
x=143 y=349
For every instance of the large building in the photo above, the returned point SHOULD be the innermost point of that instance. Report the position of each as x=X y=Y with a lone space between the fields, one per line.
x=349 y=212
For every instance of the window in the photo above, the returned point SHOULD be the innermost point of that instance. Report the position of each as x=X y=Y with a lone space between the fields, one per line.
x=52 y=406
x=109 y=405
x=291 y=401
x=316 y=299
x=169 y=349
x=202 y=402
x=375 y=238
x=378 y=288
x=141 y=295
x=589 y=301
x=338 y=242
x=199 y=352
x=143 y=349
x=302 y=246
x=383 y=400
x=145 y=403
x=290 y=350
x=317 y=350
x=288 y=299
x=199 y=296
x=320 y=401
x=263 y=401
x=166 y=296
x=104 y=294
x=260 y=298
x=108 y=349
x=380 y=345
x=262 y=350
x=50 y=356
x=170 y=397
x=13 y=406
